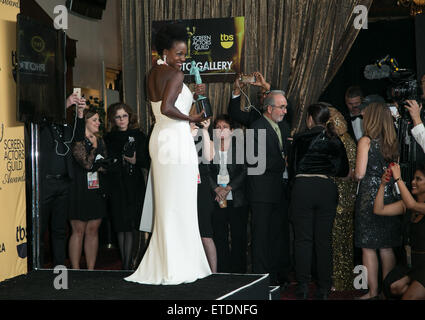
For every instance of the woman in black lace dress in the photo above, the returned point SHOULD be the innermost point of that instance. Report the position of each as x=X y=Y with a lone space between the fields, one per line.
x=87 y=193
x=375 y=151
x=126 y=185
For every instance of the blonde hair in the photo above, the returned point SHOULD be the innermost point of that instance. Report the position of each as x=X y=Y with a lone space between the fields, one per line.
x=378 y=124
x=338 y=120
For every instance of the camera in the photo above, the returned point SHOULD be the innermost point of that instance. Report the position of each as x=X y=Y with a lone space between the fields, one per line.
x=247 y=78
x=129 y=148
x=402 y=90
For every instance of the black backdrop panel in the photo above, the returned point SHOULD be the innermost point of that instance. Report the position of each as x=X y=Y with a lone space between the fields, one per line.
x=420 y=44
x=395 y=37
x=88 y=8
x=41 y=72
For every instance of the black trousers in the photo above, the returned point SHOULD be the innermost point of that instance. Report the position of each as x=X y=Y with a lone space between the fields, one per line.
x=54 y=212
x=230 y=238
x=270 y=239
x=313 y=209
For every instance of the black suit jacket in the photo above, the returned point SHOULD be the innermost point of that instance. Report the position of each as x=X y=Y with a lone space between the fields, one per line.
x=350 y=129
x=237 y=174
x=268 y=187
x=48 y=147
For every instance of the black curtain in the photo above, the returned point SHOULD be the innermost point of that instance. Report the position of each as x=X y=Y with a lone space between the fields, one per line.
x=395 y=37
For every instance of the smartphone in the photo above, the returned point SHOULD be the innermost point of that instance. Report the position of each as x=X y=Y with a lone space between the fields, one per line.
x=394 y=111
x=247 y=78
x=78 y=92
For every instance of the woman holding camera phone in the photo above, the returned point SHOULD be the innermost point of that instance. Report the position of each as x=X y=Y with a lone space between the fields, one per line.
x=411 y=284
x=126 y=184
x=87 y=205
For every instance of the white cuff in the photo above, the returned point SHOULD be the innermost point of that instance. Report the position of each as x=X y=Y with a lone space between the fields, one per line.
x=418 y=129
x=234 y=96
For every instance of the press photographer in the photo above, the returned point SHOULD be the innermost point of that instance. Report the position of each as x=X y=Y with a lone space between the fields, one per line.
x=56 y=174
x=418 y=130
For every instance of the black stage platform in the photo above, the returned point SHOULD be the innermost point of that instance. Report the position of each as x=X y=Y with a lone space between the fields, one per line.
x=110 y=285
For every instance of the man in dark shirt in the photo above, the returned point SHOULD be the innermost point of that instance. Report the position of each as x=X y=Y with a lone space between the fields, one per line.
x=56 y=173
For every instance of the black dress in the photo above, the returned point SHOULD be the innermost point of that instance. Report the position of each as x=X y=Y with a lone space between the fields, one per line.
x=417 y=242
x=370 y=230
x=205 y=196
x=87 y=203
x=125 y=182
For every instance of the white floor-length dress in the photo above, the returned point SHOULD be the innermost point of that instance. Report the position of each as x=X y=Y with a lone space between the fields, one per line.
x=175 y=254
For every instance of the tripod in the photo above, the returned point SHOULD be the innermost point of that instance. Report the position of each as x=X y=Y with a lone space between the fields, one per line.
x=408 y=147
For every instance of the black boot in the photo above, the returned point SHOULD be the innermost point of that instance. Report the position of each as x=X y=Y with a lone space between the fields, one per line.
x=301 y=292
x=321 y=294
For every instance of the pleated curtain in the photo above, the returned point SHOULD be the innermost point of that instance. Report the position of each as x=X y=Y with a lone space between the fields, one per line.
x=298 y=45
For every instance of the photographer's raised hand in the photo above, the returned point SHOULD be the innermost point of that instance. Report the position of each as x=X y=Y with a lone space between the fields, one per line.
x=415 y=111
x=260 y=81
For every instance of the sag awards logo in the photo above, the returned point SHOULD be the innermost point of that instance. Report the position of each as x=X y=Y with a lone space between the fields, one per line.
x=1 y=136
x=2 y=247
x=226 y=40
x=14 y=157
x=201 y=43
x=21 y=242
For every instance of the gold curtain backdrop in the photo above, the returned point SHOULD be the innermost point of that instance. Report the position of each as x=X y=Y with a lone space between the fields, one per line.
x=298 y=45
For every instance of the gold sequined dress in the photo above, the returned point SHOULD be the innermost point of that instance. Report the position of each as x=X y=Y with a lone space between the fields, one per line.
x=343 y=230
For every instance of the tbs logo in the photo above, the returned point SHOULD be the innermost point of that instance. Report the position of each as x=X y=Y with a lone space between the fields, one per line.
x=21 y=235
x=226 y=40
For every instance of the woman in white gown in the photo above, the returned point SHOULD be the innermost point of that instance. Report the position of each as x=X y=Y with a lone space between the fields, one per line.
x=175 y=254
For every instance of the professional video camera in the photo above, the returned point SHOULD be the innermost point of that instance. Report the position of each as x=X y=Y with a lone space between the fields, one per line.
x=404 y=85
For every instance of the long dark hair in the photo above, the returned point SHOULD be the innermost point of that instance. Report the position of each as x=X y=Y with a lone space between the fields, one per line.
x=321 y=116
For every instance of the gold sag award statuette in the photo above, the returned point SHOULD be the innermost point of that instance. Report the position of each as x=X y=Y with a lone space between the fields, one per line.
x=189 y=40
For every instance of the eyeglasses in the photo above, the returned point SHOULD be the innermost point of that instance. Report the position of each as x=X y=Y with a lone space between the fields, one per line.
x=282 y=107
x=124 y=116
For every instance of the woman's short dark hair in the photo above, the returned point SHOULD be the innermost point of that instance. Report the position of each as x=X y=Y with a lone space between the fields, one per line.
x=168 y=35
x=112 y=111
x=421 y=167
x=226 y=118
x=321 y=116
